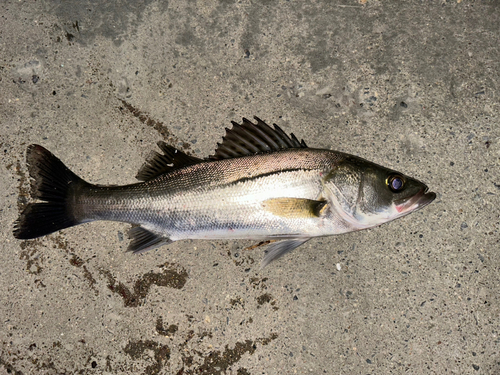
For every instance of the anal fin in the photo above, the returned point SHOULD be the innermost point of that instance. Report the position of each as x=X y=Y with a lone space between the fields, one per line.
x=144 y=240
x=278 y=249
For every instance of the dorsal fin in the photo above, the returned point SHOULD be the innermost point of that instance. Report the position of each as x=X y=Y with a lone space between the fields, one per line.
x=171 y=159
x=249 y=139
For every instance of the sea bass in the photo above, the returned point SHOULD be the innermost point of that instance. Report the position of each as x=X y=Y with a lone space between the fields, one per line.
x=260 y=184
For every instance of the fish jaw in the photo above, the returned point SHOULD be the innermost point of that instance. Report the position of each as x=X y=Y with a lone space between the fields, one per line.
x=418 y=201
x=395 y=211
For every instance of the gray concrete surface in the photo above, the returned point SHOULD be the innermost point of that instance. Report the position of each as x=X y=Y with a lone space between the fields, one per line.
x=411 y=85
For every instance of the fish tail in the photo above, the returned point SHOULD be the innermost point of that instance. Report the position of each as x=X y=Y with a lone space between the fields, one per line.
x=54 y=185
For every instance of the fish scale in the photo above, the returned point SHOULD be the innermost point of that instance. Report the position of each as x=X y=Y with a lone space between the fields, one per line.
x=179 y=208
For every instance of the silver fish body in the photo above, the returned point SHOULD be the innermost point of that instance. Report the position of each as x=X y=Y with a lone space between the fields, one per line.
x=260 y=184
x=220 y=199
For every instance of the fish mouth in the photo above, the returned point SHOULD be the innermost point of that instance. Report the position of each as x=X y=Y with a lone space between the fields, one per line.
x=419 y=200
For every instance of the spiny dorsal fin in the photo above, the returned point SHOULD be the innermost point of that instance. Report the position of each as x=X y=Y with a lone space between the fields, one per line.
x=249 y=139
x=158 y=164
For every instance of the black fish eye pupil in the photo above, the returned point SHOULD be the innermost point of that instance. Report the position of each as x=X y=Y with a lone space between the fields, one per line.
x=396 y=183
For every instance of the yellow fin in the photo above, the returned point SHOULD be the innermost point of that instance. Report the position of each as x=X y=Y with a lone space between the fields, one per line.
x=294 y=207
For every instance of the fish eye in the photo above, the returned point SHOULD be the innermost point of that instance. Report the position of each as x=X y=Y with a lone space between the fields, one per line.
x=395 y=182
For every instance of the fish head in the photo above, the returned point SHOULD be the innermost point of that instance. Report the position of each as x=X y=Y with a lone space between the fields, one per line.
x=365 y=194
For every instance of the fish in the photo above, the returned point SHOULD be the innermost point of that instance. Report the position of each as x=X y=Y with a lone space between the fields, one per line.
x=260 y=184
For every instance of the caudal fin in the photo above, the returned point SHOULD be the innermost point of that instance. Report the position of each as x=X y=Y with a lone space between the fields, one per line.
x=53 y=183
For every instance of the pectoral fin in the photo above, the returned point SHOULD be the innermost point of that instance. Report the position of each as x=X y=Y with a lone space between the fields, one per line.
x=294 y=207
x=144 y=240
x=278 y=249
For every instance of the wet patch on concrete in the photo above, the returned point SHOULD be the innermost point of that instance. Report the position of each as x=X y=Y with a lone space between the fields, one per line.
x=241 y=257
x=219 y=362
x=159 y=126
x=80 y=263
x=148 y=357
x=24 y=190
x=216 y=362
x=29 y=253
x=9 y=368
x=173 y=276
x=260 y=284
x=61 y=243
x=166 y=331
x=267 y=298
x=237 y=302
x=161 y=354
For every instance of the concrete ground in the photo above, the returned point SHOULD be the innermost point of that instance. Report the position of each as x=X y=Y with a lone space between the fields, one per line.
x=410 y=85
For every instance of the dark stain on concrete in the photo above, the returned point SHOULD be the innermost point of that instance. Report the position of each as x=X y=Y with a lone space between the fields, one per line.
x=168 y=331
x=159 y=126
x=75 y=260
x=264 y=298
x=218 y=362
x=24 y=192
x=9 y=368
x=161 y=354
x=258 y=283
x=242 y=371
x=80 y=263
x=238 y=301
x=241 y=257
x=29 y=250
x=267 y=298
x=173 y=276
x=146 y=120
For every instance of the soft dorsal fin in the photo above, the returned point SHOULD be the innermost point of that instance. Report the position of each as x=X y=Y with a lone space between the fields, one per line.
x=249 y=139
x=158 y=164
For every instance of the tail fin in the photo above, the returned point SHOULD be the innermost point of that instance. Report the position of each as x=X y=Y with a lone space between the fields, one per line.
x=53 y=184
